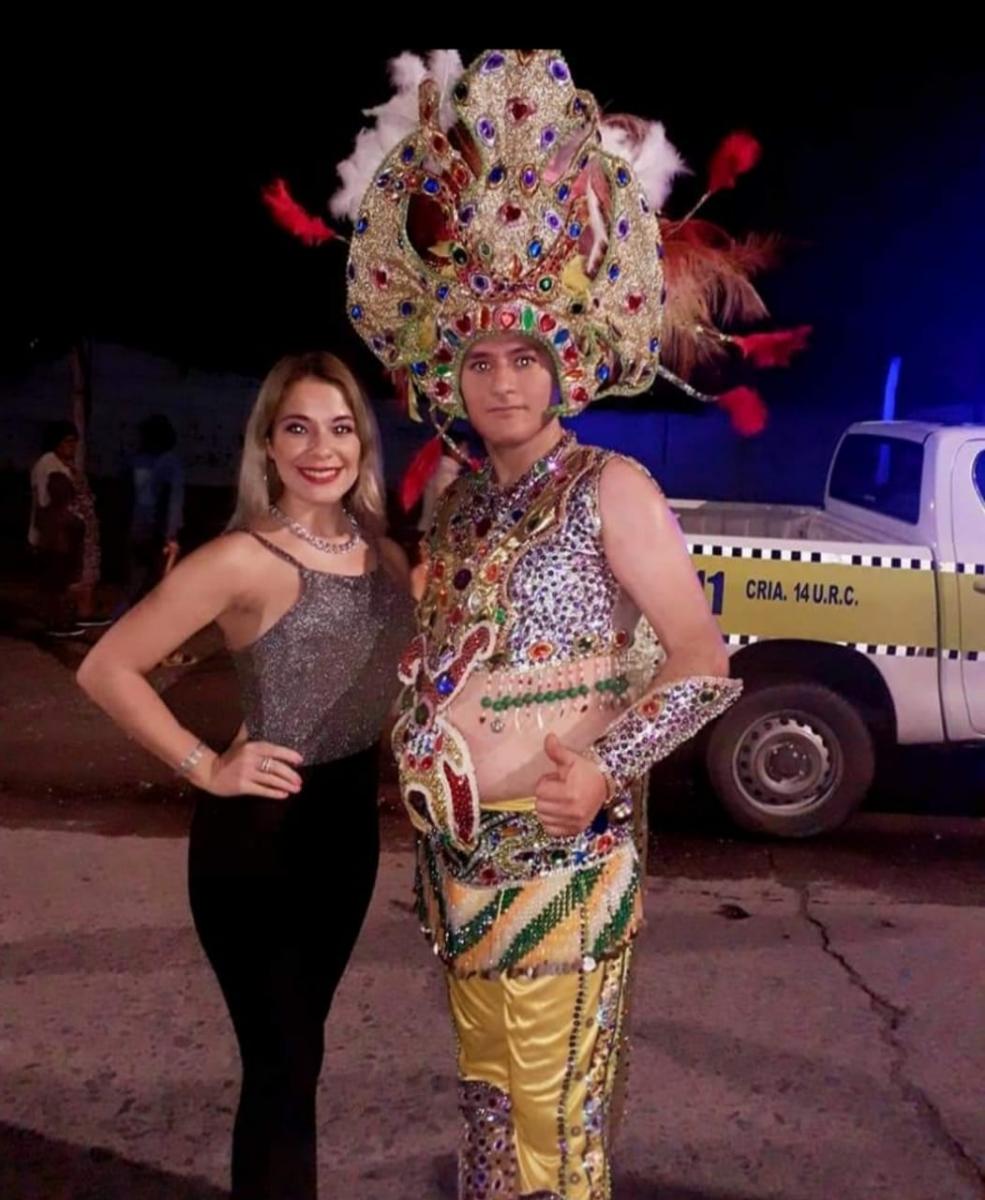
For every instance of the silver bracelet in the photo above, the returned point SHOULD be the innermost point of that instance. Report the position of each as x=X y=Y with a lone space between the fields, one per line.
x=191 y=760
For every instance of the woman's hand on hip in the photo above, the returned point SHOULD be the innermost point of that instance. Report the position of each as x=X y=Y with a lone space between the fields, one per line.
x=254 y=769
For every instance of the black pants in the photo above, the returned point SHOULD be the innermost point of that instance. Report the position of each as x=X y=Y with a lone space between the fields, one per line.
x=279 y=890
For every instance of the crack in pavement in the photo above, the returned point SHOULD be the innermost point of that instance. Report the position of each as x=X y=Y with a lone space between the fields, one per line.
x=891 y=1016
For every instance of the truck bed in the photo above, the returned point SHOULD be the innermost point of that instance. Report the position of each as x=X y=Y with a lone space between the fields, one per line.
x=773 y=521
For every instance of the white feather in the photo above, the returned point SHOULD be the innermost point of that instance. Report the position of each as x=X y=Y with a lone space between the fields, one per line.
x=655 y=160
x=396 y=120
x=356 y=172
x=407 y=72
x=445 y=68
x=392 y=122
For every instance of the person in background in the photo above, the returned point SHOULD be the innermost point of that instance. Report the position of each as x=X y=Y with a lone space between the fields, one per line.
x=447 y=471
x=65 y=533
x=158 y=486
x=56 y=533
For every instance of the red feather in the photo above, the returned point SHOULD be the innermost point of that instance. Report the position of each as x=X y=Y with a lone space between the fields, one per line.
x=746 y=410
x=291 y=216
x=773 y=349
x=423 y=466
x=736 y=155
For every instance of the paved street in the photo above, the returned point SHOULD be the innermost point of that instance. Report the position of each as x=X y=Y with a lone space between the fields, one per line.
x=807 y=1020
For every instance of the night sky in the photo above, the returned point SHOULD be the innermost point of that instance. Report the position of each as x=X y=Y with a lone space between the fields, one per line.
x=141 y=221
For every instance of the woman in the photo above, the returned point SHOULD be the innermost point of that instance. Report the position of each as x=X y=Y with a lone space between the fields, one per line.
x=314 y=605
x=65 y=533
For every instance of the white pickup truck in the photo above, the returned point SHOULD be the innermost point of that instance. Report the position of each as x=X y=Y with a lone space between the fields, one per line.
x=852 y=625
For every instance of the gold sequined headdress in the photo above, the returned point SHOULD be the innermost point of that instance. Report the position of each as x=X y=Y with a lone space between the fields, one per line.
x=514 y=220
x=499 y=199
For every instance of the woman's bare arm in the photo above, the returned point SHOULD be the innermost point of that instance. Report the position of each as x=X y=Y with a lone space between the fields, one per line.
x=199 y=590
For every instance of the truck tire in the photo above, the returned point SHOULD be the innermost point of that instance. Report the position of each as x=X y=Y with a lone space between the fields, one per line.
x=791 y=760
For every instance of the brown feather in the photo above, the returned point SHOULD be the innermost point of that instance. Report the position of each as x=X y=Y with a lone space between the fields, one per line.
x=709 y=285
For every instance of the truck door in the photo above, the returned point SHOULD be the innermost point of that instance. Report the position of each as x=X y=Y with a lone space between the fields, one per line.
x=968 y=518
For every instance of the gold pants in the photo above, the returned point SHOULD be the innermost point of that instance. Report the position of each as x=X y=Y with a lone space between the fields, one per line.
x=537 y=1063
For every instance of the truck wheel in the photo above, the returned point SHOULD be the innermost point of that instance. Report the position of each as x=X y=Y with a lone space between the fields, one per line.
x=791 y=760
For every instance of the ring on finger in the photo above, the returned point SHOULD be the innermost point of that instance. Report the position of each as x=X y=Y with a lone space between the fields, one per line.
x=265 y=765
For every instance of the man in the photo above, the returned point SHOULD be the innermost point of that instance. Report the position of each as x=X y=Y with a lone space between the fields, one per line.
x=157 y=480
x=514 y=266
x=533 y=902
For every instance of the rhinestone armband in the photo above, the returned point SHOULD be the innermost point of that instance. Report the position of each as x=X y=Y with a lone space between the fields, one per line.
x=657 y=724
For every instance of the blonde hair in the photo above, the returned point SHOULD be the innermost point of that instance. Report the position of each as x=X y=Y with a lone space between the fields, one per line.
x=259 y=483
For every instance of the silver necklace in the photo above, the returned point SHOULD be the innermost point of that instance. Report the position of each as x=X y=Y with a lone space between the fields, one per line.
x=313 y=539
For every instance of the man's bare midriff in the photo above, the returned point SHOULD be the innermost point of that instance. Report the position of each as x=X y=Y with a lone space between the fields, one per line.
x=508 y=764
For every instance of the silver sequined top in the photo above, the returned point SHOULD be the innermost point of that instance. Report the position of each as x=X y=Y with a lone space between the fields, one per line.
x=562 y=601
x=322 y=678
x=563 y=589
